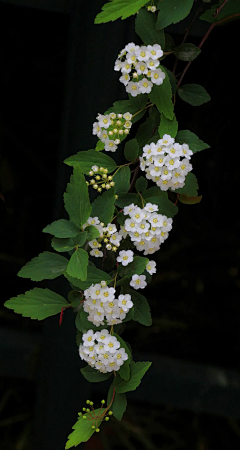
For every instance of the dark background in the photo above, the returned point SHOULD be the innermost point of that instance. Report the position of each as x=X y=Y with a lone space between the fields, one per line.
x=56 y=74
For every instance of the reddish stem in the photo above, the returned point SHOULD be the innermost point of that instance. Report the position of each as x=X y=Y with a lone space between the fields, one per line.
x=61 y=314
x=176 y=199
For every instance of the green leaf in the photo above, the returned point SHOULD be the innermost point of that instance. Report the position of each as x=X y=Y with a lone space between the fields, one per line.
x=194 y=94
x=191 y=186
x=103 y=206
x=119 y=8
x=145 y=28
x=83 y=429
x=137 y=266
x=131 y=150
x=138 y=102
x=92 y=233
x=122 y=180
x=127 y=199
x=168 y=126
x=144 y=133
x=76 y=198
x=83 y=324
x=74 y=297
x=162 y=96
x=172 y=11
x=94 y=276
x=62 y=228
x=100 y=146
x=119 y=404
x=131 y=106
x=141 y=184
x=169 y=43
x=93 y=375
x=85 y=161
x=189 y=200
x=172 y=80
x=37 y=303
x=77 y=266
x=187 y=137
x=45 y=266
x=142 y=313
x=157 y=197
x=124 y=370
x=186 y=52
x=66 y=245
x=137 y=372
x=231 y=8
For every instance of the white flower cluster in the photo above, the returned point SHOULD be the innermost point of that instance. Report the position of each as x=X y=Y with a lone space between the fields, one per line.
x=146 y=228
x=140 y=68
x=109 y=236
x=163 y=163
x=112 y=128
x=100 y=303
x=102 y=351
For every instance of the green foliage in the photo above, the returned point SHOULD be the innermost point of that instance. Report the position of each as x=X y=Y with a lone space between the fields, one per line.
x=131 y=150
x=168 y=126
x=123 y=106
x=94 y=276
x=119 y=8
x=194 y=94
x=157 y=197
x=122 y=180
x=65 y=245
x=83 y=324
x=103 y=206
x=141 y=184
x=74 y=297
x=142 y=313
x=100 y=146
x=37 y=303
x=85 y=161
x=77 y=266
x=172 y=80
x=93 y=376
x=144 y=133
x=92 y=232
x=191 y=186
x=231 y=8
x=187 y=137
x=127 y=199
x=119 y=404
x=145 y=28
x=162 y=96
x=76 y=198
x=137 y=266
x=45 y=266
x=138 y=370
x=172 y=11
x=124 y=370
x=138 y=102
x=62 y=228
x=186 y=52
x=83 y=429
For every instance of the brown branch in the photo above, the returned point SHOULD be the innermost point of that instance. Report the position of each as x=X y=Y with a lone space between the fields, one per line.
x=134 y=178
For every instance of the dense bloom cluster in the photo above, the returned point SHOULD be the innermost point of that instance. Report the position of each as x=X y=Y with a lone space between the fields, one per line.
x=112 y=128
x=146 y=228
x=140 y=68
x=102 y=351
x=101 y=180
x=101 y=304
x=166 y=163
x=109 y=236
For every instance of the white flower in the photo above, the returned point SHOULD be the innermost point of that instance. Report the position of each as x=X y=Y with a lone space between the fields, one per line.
x=131 y=58
x=110 y=146
x=124 y=79
x=126 y=67
x=143 y=53
x=127 y=116
x=130 y=225
x=121 y=356
x=104 y=136
x=111 y=228
x=155 y=51
x=104 y=120
x=157 y=77
x=153 y=64
x=151 y=207
x=131 y=47
x=171 y=163
x=132 y=88
x=141 y=68
x=167 y=140
x=128 y=209
x=111 y=344
x=151 y=267
x=137 y=214
x=96 y=129
x=125 y=257
x=116 y=238
x=118 y=65
x=112 y=365
x=124 y=301
x=107 y=294
x=186 y=152
x=96 y=253
x=144 y=86
x=185 y=167
x=88 y=338
x=93 y=220
x=100 y=336
x=94 y=243
x=138 y=281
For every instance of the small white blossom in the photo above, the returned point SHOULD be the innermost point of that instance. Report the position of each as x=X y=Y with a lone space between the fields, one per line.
x=151 y=267
x=138 y=281
x=125 y=257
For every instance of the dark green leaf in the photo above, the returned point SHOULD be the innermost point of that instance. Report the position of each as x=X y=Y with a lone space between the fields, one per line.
x=141 y=184
x=162 y=96
x=145 y=28
x=122 y=180
x=144 y=133
x=65 y=245
x=131 y=106
x=137 y=266
x=37 y=304
x=85 y=161
x=194 y=94
x=131 y=150
x=127 y=199
x=187 y=137
x=191 y=186
x=103 y=206
x=94 y=276
x=83 y=429
x=172 y=80
x=119 y=8
x=142 y=313
x=157 y=197
x=92 y=233
x=45 y=266
x=83 y=324
x=124 y=370
x=231 y=8
x=76 y=198
x=119 y=404
x=93 y=375
x=121 y=218
x=137 y=372
x=138 y=102
x=77 y=266
x=74 y=297
x=169 y=43
x=172 y=11
x=168 y=126
x=62 y=229
x=186 y=52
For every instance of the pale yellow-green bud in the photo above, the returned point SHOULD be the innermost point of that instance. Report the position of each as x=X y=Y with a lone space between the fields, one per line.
x=119 y=123
x=110 y=133
x=105 y=240
x=104 y=176
x=97 y=430
x=115 y=130
x=92 y=181
x=116 y=197
x=110 y=413
x=126 y=131
x=99 y=189
x=98 y=177
x=114 y=249
x=105 y=170
x=120 y=132
x=95 y=186
x=101 y=169
x=110 y=177
x=108 y=186
x=91 y=173
x=102 y=401
x=112 y=183
x=103 y=185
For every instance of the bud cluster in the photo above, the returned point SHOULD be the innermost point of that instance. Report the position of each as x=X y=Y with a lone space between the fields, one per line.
x=112 y=128
x=101 y=180
x=109 y=237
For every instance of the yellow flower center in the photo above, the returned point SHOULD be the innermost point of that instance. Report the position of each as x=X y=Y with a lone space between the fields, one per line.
x=125 y=258
x=145 y=84
x=143 y=54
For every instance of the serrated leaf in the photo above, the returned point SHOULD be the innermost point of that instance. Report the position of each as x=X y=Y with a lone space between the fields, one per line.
x=145 y=28
x=137 y=266
x=137 y=372
x=119 y=8
x=127 y=199
x=94 y=276
x=142 y=313
x=66 y=245
x=103 y=206
x=191 y=186
x=168 y=126
x=83 y=429
x=141 y=184
x=194 y=94
x=119 y=404
x=157 y=197
x=172 y=11
x=186 y=52
x=45 y=266
x=131 y=150
x=122 y=180
x=62 y=228
x=76 y=198
x=37 y=303
x=131 y=106
x=162 y=96
x=187 y=137
x=93 y=375
x=85 y=160
x=100 y=146
x=189 y=200
x=77 y=266
x=92 y=233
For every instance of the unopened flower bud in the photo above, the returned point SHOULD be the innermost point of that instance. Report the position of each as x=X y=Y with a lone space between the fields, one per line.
x=108 y=186
x=91 y=173
x=98 y=177
x=110 y=133
x=95 y=186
